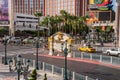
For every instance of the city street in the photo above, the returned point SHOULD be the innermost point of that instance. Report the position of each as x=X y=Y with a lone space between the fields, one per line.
x=92 y=69
x=5 y=74
x=95 y=69
x=16 y=47
x=82 y=36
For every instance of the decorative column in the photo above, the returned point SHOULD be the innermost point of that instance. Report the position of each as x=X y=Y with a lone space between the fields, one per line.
x=117 y=22
x=51 y=45
x=11 y=17
x=69 y=47
x=69 y=50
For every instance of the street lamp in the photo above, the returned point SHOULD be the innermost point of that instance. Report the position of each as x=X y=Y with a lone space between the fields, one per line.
x=5 y=43
x=65 y=54
x=48 y=25
x=20 y=67
x=37 y=46
x=38 y=15
x=115 y=39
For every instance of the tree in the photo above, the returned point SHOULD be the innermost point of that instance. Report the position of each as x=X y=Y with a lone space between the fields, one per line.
x=38 y=15
x=65 y=15
x=98 y=30
x=45 y=76
x=33 y=75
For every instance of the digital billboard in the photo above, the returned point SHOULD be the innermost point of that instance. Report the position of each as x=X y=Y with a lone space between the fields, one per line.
x=100 y=4
x=4 y=17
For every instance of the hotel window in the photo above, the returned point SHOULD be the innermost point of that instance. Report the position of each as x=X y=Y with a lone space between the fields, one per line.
x=31 y=6
x=26 y=6
x=36 y=5
x=42 y=6
x=59 y=1
x=20 y=6
x=73 y=3
x=16 y=5
x=73 y=9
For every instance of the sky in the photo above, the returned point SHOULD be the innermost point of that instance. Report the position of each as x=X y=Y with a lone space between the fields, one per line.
x=114 y=4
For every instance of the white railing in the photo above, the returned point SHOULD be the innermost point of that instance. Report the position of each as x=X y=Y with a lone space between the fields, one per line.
x=102 y=23
x=101 y=58
x=55 y=70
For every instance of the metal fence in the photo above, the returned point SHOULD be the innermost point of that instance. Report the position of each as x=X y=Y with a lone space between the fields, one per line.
x=101 y=58
x=58 y=71
x=103 y=49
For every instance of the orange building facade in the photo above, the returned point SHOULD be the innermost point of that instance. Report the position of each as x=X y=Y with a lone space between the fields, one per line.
x=75 y=7
x=28 y=6
x=51 y=7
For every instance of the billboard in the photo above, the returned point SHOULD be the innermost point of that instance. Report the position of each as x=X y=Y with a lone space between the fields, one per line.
x=4 y=17
x=100 y=4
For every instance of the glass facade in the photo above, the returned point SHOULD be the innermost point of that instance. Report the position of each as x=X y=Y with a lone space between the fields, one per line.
x=15 y=5
x=31 y=6
x=53 y=7
x=42 y=6
x=49 y=7
x=28 y=6
x=36 y=5
x=4 y=16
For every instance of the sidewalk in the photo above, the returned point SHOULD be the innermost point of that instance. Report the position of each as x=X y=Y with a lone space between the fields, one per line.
x=6 y=75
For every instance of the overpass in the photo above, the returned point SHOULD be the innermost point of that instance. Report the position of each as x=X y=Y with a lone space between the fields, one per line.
x=101 y=23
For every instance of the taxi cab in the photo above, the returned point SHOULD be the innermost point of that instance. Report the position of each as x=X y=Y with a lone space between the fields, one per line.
x=87 y=49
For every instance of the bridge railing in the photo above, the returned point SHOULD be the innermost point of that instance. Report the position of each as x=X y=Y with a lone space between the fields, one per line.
x=55 y=70
x=97 y=57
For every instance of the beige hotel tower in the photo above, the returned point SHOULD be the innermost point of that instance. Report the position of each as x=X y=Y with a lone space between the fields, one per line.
x=21 y=12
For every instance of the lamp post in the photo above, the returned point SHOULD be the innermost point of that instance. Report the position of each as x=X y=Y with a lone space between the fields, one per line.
x=5 y=59
x=65 y=63
x=19 y=67
x=115 y=39
x=38 y=15
x=37 y=46
x=48 y=25
x=65 y=53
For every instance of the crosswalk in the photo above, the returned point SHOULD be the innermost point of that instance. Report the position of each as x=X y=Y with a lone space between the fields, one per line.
x=21 y=51
x=5 y=74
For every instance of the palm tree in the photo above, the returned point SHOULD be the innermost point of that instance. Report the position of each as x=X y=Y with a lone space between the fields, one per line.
x=52 y=24
x=65 y=15
x=98 y=35
x=38 y=15
x=58 y=20
x=45 y=23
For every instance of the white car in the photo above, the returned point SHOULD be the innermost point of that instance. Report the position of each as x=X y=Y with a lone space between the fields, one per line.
x=29 y=40
x=114 y=51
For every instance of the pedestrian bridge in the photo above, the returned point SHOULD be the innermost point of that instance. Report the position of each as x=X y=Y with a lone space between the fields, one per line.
x=4 y=25
x=102 y=23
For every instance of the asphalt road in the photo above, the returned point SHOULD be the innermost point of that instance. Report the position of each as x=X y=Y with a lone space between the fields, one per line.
x=15 y=47
x=92 y=70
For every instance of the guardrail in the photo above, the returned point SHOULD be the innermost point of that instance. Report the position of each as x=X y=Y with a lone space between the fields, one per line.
x=59 y=71
x=103 y=49
x=96 y=57
x=55 y=70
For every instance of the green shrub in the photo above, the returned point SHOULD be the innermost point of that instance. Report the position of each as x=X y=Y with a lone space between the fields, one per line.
x=33 y=75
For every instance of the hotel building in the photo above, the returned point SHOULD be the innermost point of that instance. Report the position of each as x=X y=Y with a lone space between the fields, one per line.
x=75 y=7
x=21 y=12
x=117 y=22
